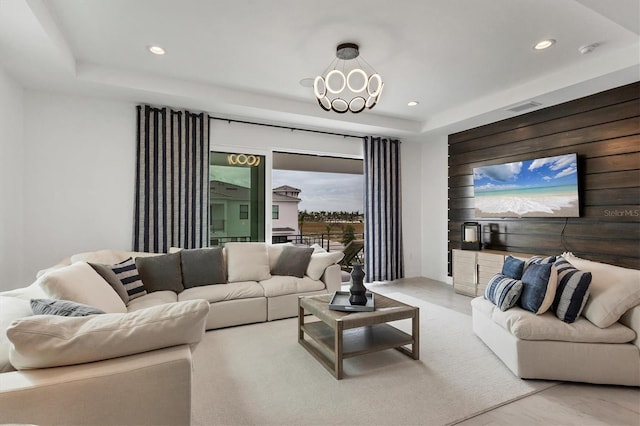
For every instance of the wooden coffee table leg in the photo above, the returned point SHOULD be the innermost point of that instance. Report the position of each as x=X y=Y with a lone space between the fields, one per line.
x=300 y=322
x=337 y=346
x=415 y=333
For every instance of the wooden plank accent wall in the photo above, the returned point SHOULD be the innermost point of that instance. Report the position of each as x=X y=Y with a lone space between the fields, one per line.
x=604 y=130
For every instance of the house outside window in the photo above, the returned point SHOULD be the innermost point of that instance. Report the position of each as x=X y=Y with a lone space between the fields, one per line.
x=244 y=211
x=275 y=212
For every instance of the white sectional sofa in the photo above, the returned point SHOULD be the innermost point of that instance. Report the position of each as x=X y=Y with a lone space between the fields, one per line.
x=602 y=346
x=132 y=365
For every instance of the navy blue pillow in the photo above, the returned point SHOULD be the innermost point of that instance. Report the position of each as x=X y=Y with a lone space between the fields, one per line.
x=539 y=282
x=572 y=293
x=513 y=267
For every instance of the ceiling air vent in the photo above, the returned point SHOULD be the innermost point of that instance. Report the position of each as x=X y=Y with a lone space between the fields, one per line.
x=524 y=106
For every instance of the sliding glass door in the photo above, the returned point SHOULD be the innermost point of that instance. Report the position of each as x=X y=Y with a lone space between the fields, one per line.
x=236 y=197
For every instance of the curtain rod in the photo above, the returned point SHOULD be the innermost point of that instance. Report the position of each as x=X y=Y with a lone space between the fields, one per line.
x=285 y=127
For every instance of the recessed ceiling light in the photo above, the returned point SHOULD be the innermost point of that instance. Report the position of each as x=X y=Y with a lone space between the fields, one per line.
x=413 y=103
x=156 y=50
x=544 y=44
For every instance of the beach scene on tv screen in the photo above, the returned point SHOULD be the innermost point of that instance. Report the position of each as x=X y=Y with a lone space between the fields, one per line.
x=544 y=187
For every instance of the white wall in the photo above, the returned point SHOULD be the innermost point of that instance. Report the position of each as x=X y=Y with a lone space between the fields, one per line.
x=424 y=206
x=434 y=198
x=412 y=221
x=11 y=183
x=78 y=176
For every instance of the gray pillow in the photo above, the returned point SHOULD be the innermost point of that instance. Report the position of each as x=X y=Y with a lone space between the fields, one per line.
x=293 y=261
x=160 y=272
x=203 y=266
x=109 y=276
x=65 y=308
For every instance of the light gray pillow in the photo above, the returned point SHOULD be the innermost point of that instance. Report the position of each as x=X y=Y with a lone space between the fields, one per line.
x=65 y=308
x=293 y=261
x=203 y=266
x=160 y=272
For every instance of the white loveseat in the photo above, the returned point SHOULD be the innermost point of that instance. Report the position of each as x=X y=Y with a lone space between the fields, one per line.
x=602 y=346
x=71 y=380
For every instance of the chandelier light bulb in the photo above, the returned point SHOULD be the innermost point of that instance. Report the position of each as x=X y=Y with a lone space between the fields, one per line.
x=339 y=93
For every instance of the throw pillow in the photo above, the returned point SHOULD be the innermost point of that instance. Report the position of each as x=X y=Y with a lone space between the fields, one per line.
x=613 y=290
x=293 y=261
x=539 y=282
x=247 y=262
x=11 y=308
x=43 y=341
x=321 y=261
x=275 y=250
x=203 y=266
x=79 y=283
x=503 y=291
x=127 y=273
x=538 y=260
x=317 y=248
x=65 y=308
x=110 y=277
x=160 y=273
x=572 y=292
x=513 y=267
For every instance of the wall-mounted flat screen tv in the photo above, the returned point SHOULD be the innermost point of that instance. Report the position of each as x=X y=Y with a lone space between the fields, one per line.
x=544 y=187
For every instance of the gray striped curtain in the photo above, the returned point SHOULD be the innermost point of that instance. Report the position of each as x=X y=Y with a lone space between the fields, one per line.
x=382 y=209
x=172 y=180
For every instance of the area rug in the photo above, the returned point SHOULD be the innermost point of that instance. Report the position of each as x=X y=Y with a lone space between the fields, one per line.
x=259 y=375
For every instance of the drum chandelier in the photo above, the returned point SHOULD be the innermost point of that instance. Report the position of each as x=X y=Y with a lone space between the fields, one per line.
x=345 y=85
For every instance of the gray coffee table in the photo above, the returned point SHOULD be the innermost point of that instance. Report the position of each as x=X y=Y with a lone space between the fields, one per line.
x=340 y=335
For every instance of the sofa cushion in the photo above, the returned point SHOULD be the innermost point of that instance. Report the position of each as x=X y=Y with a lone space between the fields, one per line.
x=43 y=341
x=513 y=268
x=11 y=308
x=572 y=293
x=321 y=261
x=613 y=290
x=127 y=273
x=160 y=272
x=79 y=283
x=539 y=282
x=503 y=291
x=112 y=279
x=204 y=266
x=529 y=326
x=281 y=285
x=247 y=262
x=219 y=292
x=274 y=252
x=65 y=308
x=152 y=299
x=104 y=257
x=293 y=261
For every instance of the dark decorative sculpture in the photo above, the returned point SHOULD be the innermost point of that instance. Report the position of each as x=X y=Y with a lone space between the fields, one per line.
x=358 y=290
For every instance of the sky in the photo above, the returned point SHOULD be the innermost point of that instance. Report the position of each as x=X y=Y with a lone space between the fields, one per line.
x=539 y=173
x=324 y=191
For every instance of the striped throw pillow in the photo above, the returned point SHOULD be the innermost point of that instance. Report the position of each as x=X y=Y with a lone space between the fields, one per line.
x=127 y=273
x=539 y=260
x=572 y=291
x=503 y=291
